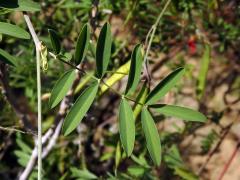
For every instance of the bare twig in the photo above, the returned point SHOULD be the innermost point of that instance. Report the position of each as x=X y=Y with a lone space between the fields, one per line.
x=227 y=165
x=16 y=130
x=215 y=149
x=152 y=31
x=225 y=132
x=31 y=163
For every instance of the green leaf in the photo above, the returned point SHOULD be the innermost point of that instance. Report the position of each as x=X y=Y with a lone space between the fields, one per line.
x=179 y=112
x=202 y=77
x=20 y=5
x=135 y=70
x=13 y=30
x=164 y=86
x=7 y=58
x=126 y=126
x=151 y=136
x=82 y=44
x=79 y=109
x=61 y=87
x=103 y=52
x=56 y=44
x=84 y=174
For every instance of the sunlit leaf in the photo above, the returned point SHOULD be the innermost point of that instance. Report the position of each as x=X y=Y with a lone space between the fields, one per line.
x=126 y=126
x=20 y=5
x=151 y=136
x=164 y=86
x=116 y=77
x=13 y=30
x=61 y=87
x=7 y=58
x=82 y=44
x=79 y=109
x=56 y=44
x=202 y=76
x=103 y=51
x=135 y=70
x=141 y=98
x=179 y=112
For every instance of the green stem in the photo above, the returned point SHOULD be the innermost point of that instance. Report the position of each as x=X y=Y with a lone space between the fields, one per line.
x=39 y=103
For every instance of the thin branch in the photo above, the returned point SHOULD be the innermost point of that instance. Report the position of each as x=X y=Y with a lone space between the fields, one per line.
x=225 y=132
x=229 y=162
x=152 y=31
x=31 y=163
x=10 y=129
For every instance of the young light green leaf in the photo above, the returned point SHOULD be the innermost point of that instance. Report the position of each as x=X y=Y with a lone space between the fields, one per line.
x=179 y=112
x=202 y=76
x=164 y=86
x=151 y=136
x=82 y=44
x=61 y=87
x=79 y=109
x=20 y=5
x=7 y=58
x=103 y=51
x=13 y=30
x=135 y=70
x=56 y=44
x=126 y=126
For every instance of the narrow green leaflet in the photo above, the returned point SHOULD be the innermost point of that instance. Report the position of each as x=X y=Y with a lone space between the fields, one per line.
x=135 y=70
x=56 y=44
x=13 y=30
x=103 y=51
x=126 y=126
x=7 y=58
x=61 y=87
x=179 y=112
x=151 y=136
x=20 y=5
x=82 y=44
x=79 y=109
x=164 y=86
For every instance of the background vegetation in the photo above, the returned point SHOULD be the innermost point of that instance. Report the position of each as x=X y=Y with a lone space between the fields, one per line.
x=203 y=36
